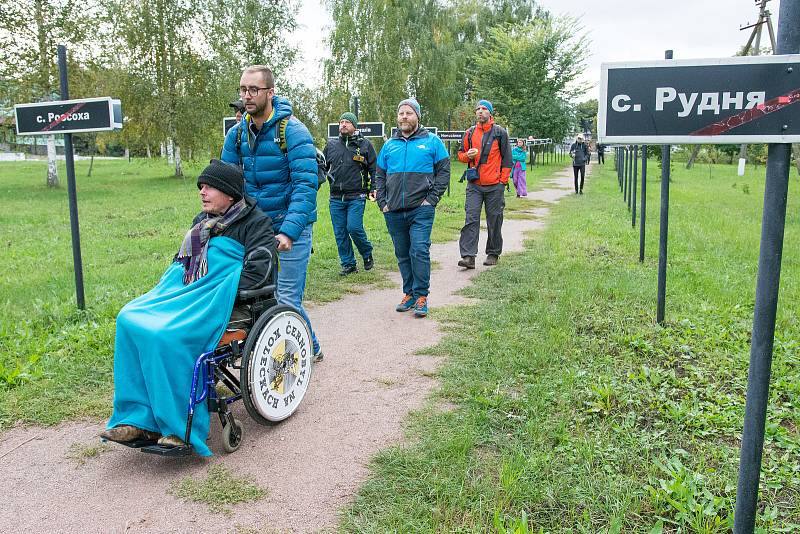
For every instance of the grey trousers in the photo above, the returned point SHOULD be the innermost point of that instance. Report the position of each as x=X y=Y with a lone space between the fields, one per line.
x=492 y=197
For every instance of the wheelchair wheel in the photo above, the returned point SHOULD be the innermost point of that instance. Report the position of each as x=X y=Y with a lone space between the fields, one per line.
x=276 y=365
x=232 y=436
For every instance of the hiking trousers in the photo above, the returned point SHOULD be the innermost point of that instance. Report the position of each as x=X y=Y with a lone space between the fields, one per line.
x=576 y=170
x=492 y=198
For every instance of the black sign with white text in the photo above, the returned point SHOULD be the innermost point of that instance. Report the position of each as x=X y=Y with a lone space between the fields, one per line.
x=69 y=116
x=367 y=129
x=451 y=135
x=727 y=100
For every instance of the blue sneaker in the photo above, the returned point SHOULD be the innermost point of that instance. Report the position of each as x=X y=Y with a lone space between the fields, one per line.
x=421 y=307
x=406 y=304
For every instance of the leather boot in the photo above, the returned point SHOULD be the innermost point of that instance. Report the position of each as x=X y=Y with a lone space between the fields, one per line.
x=467 y=262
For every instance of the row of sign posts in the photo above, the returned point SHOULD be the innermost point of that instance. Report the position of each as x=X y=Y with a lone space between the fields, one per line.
x=729 y=100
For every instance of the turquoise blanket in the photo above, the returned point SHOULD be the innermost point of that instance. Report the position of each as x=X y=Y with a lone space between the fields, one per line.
x=159 y=337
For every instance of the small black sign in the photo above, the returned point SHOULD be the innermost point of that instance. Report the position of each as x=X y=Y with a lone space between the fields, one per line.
x=367 y=129
x=69 y=116
x=451 y=135
x=538 y=142
x=728 y=100
x=432 y=129
x=227 y=124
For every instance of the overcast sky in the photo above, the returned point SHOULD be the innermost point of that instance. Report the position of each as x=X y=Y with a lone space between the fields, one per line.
x=617 y=30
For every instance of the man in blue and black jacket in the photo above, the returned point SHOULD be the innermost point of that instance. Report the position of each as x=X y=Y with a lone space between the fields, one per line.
x=413 y=174
x=277 y=154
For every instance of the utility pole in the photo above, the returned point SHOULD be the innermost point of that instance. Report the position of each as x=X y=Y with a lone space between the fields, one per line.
x=755 y=37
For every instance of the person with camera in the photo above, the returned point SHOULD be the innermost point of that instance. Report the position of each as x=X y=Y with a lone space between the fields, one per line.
x=350 y=161
x=486 y=150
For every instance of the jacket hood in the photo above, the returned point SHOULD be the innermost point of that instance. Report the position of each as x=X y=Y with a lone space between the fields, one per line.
x=282 y=107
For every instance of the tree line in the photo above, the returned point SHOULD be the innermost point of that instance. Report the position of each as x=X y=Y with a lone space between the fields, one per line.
x=175 y=64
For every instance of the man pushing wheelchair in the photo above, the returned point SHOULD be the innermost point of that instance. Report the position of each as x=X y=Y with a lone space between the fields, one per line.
x=228 y=251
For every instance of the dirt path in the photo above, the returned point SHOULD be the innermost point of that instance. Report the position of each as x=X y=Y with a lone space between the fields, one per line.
x=311 y=465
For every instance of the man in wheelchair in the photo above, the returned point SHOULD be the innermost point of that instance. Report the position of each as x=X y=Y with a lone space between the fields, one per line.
x=160 y=334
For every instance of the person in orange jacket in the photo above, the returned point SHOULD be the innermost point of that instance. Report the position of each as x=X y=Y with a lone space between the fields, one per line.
x=487 y=152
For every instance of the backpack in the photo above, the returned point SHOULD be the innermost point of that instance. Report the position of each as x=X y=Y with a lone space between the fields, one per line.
x=281 y=140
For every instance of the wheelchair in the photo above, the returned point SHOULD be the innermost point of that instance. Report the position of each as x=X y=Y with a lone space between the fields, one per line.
x=265 y=361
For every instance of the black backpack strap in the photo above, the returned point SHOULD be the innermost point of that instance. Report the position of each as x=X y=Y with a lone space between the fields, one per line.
x=239 y=142
x=468 y=134
x=486 y=145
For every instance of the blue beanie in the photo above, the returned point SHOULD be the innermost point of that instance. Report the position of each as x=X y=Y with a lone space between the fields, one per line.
x=487 y=105
x=414 y=105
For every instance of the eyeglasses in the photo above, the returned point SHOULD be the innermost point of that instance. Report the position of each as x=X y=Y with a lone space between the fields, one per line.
x=252 y=91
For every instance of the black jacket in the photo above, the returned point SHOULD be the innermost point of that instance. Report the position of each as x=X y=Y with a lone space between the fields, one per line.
x=579 y=153
x=252 y=229
x=350 y=177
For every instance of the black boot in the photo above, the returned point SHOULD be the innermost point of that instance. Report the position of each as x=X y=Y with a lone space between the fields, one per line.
x=468 y=262
x=348 y=269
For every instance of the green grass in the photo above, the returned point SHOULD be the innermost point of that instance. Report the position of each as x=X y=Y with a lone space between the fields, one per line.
x=220 y=489
x=56 y=361
x=573 y=411
x=81 y=452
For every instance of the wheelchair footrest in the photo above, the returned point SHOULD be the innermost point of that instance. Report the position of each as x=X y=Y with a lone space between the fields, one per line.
x=167 y=450
x=134 y=444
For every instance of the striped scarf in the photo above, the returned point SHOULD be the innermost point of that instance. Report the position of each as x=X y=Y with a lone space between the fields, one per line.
x=193 y=253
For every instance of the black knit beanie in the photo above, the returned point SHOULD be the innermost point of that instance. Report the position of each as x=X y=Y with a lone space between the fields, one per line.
x=226 y=177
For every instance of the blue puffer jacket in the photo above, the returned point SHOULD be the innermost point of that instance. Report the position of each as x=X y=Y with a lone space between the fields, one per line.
x=284 y=185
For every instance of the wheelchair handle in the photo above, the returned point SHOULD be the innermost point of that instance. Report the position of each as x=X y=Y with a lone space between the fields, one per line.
x=250 y=294
x=269 y=274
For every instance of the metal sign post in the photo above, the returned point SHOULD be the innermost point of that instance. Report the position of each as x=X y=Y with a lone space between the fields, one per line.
x=644 y=203
x=68 y=117
x=625 y=179
x=767 y=286
x=72 y=191
x=634 y=185
x=663 y=229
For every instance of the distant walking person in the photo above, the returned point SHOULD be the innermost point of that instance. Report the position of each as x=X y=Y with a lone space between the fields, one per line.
x=579 y=151
x=487 y=152
x=351 y=165
x=413 y=174
x=601 y=157
x=519 y=156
